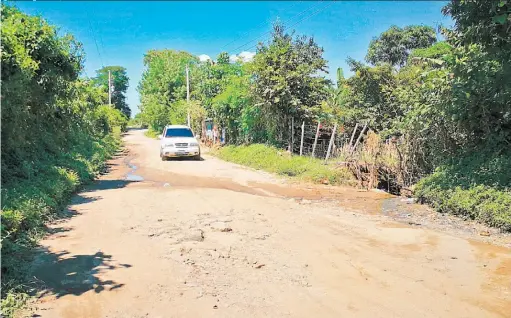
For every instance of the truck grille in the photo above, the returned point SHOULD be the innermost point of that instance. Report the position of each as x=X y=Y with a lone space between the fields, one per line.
x=181 y=145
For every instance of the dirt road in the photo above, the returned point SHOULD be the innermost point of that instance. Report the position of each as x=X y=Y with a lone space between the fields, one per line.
x=212 y=239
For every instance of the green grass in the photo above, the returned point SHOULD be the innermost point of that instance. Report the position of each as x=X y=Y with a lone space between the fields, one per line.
x=29 y=202
x=271 y=159
x=152 y=133
x=477 y=186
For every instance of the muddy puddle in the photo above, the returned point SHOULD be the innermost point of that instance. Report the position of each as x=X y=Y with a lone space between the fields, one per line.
x=171 y=180
x=402 y=212
x=131 y=176
x=368 y=201
x=371 y=202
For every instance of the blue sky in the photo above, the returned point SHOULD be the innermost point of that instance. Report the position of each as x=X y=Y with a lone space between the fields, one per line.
x=124 y=31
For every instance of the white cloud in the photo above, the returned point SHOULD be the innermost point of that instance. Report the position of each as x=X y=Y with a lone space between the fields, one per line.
x=244 y=56
x=247 y=56
x=204 y=58
x=233 y=58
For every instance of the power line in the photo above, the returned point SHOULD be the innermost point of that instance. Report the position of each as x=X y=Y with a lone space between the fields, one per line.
x=95 y=41
x=269 y=32
x=302 y=20
x=261 y=25
x=292 y=25
x=102 y=45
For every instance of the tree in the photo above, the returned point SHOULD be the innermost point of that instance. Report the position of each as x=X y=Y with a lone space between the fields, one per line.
x=163 y=87
x=229 y=106
x=368 y=98
x=120 y=82
x=481 y=72
x=38 y=71
x=433 y=55
x=394 y=45
x=223 y=58
x=55 y=134
x=487 y=23
x=287 y=80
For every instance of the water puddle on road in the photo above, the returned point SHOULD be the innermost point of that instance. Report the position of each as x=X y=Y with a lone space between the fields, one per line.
x=357 y=199
x=134 y=178
x=131 y=176
x=368 y=201
x=402 y=211
x=174 y=180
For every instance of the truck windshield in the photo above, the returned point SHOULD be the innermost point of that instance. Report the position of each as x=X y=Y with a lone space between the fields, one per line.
x=178 y=132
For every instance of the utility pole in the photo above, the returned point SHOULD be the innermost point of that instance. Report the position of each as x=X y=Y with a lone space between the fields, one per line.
x=188 y=95
x=109 y=88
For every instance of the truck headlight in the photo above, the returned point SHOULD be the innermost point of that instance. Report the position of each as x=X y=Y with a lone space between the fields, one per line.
x=194 y=144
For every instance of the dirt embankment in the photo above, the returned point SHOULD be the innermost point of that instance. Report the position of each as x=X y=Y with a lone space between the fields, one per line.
x=213 y=239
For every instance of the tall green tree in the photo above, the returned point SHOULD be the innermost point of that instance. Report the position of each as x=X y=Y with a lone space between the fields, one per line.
x=287 y=80
x=487 y=23
x=208 y=80
x=394 y=45
x=120 y=83
x=230 y=106
x=481 y=68
x=368 y=99
x=163 y=86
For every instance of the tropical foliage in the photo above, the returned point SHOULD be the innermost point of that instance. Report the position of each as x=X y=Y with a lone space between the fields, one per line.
x=119 y=81
x=57 y=133
x=163 y=87
x=287 y=81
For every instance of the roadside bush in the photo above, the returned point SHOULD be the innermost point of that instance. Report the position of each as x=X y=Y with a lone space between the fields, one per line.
x=109 y=117
x=137 y=122
x=271 y=159
x=27 y=203
x=56 y=134
x=151 y=133
x=477 y=186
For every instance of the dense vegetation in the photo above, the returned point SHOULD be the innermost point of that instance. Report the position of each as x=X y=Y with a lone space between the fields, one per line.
x=119 y=82
x=57 y=132
x=448 y=103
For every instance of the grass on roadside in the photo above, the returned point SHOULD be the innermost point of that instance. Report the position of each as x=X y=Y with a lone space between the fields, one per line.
x=152 y=133
x=271 y=159
x=477 y=186
x=28 y=203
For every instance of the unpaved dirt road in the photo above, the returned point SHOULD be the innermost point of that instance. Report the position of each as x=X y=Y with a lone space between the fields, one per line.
x=212 y=239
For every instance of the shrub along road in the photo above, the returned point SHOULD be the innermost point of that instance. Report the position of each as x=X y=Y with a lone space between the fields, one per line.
x=212 y=239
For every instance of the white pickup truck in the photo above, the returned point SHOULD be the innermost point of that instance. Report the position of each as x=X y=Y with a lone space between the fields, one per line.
x=178 y=141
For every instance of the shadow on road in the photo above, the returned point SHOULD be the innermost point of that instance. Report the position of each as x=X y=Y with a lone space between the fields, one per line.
x=107 y=185
x=184 y=159
x=62 y=274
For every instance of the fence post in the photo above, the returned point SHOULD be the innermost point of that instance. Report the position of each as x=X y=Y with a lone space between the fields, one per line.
x=358 y=139
x=316 y=139
x=301 y=141
x=353 y=134
x=331 y=142
x=292 y=134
